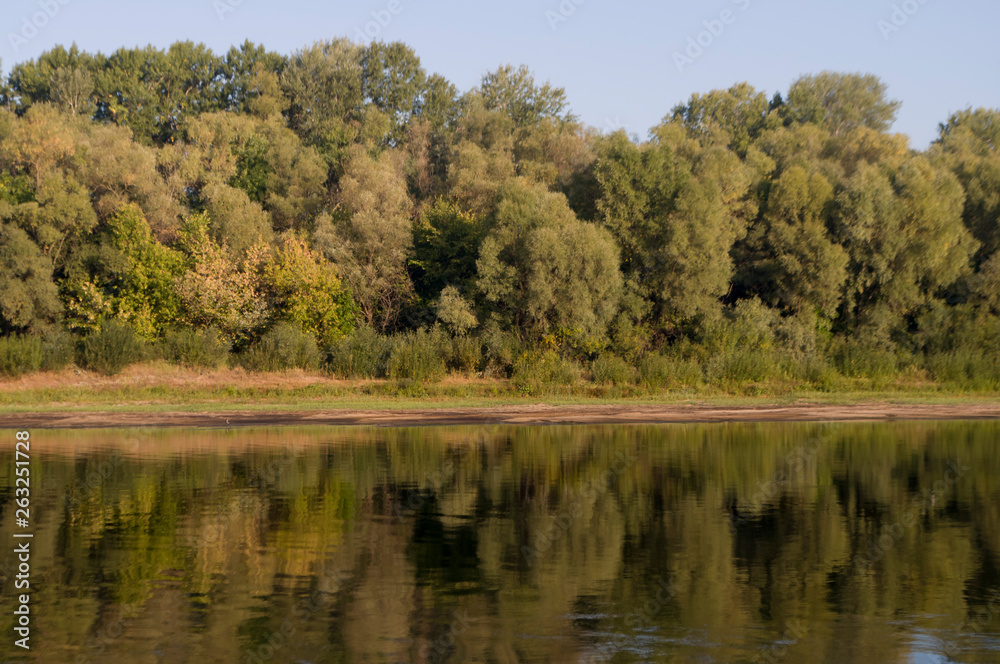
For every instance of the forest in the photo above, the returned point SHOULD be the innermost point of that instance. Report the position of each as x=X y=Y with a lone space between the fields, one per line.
x=342 y=209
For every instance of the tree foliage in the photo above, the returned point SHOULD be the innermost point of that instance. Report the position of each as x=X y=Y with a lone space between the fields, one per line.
x=344 y=184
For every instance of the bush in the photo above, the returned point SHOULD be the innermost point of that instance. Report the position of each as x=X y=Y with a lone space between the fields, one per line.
x=608 y=368
x=746 y=364
x=283 y=347
x=466 y=354
x=362 y=354
x=58 y=349
x=658 y=372
x=968 y=368
x=534 y=370
x=417 y=356
x=20 y=355
x=196 y=348
x=501 y=351
x=858 y=359
x=111 y=348
x=813 y=369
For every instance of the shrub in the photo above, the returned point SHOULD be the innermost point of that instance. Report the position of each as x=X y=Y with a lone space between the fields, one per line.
x=813 y=369
x=20 y=355
x=657 y=371
x=111 y=348
x=466 y=354
x=608 y=368
x=859 y=359
x=746 y=364
x=500 y=351
x=196 y=348
x=58 y=348
x=417 y=356
x=362 y=354
x=283 y=347
x=969 y=368
x=534 y=370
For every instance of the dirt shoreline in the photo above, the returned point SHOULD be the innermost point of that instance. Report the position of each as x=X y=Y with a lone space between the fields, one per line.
x=515 y=414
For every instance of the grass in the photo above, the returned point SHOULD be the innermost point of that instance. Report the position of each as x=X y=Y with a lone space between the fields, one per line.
x=158 y=387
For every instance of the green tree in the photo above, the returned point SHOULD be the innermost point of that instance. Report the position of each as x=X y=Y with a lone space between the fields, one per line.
x=513 y=91
x=446 y=243
x=219 y=289
x=372 y=236
x=841 y=102
x=545 y=270
x=325 y=88
x=733 y=118
x=968 y=146
x=126 y=274
x=904 y=234
x=303 y=288
x=29 y=299
x=676 y=220
x=793 y=262
x=394 y=83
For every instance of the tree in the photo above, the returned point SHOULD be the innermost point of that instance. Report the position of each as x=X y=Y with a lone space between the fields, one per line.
x=124 y=274
x=394 y=83
x=544 y=270
x=39 y=143
x=841 y=102
x=676 y=220
x=325 y=88
x=258 y=166
x=969 y=146
x=219 y=289
x=446 y=242
x=515 y=93
x=59 y=217
x=304 y=288
x=72 y=89
x=732 y=118
x=38 y=81
x=372 y=236
x=29 y=299
x=142 y=290
x=904 y=234
x=793 y=262
x=243 y=79
x=154 y=92
x=117 y=171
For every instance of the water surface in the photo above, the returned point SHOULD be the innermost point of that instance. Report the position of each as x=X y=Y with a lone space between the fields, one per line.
x=684 y=543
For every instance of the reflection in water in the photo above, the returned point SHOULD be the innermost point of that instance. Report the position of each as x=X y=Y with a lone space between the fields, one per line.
x=694 y=543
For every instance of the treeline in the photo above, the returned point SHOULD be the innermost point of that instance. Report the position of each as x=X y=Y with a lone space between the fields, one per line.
x=341 y=206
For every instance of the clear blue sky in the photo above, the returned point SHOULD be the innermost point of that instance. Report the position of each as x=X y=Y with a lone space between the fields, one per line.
x=615 y=58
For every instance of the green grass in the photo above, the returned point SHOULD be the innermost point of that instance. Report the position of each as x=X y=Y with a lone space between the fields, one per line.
x=121 y=396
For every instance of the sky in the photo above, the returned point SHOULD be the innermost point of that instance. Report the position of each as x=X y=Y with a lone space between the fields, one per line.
x=623 y=64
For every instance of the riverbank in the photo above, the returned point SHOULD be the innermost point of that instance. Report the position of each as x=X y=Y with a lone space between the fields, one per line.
x=164 y=395
x=620 y=413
